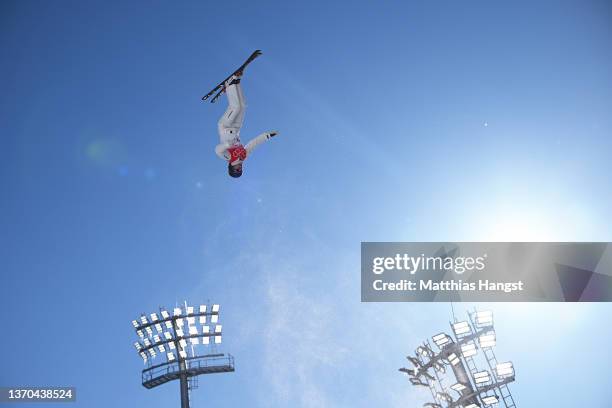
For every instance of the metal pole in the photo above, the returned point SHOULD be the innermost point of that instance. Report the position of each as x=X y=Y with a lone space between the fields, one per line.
x=184 y=387
x=183 y=370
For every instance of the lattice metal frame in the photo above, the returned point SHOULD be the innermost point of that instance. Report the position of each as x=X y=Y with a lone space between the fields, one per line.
x=472 y=386
x=178 y=335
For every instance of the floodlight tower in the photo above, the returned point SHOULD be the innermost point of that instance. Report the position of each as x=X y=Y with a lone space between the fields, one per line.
x=170 y=337
x=475 y=387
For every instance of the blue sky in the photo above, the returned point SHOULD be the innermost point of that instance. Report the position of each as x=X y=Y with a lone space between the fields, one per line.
x=416 y=121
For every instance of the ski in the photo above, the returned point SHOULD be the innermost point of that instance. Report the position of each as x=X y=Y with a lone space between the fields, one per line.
x=221 y=87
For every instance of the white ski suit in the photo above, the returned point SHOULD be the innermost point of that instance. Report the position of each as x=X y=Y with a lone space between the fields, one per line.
x=230 y=123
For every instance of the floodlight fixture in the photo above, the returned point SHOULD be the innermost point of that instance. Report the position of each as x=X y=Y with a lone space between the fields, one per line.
x=461 y=328
x=441 y=340
x=439 y=367
x=487 y=340
x=473 y=385
x=505 y=370
x=453 y=359
x=458 y=387
x=173 y=333
x=484 y=319
x=481 y=377
x=468 y=350
x=490 y=399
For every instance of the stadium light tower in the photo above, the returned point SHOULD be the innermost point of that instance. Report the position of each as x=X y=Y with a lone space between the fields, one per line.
x=176 y=335
x=469 y=386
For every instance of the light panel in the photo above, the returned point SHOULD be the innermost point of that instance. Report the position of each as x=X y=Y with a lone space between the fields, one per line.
x=505 y=370
x=468 y=350
x=484 y=319
x=458 y=387
x=453 y=359
x=487 y=340
x=166 y=332
x=481 y=377
x=490 y=400
x=441 y=340
x=472 y=406
x=462 y=328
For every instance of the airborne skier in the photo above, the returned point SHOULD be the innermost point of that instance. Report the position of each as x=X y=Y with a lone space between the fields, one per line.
x=230 y=147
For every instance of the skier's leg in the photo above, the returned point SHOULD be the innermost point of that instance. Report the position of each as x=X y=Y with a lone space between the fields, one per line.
x=230 y=123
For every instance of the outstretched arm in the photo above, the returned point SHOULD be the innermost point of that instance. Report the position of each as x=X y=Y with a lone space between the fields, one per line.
x=259 y=140
x=221 y=150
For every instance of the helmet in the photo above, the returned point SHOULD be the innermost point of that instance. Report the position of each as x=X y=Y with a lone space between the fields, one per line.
x=234 y=170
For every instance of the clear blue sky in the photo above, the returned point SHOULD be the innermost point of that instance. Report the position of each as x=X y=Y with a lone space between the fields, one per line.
x=421 y=120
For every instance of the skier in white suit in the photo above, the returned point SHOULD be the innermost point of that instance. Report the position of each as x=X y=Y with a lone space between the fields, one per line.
x=230 y=147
